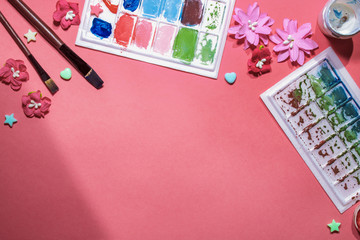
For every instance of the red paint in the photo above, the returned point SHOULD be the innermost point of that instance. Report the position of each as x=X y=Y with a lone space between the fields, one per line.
x=123 y=30
x=113 y=8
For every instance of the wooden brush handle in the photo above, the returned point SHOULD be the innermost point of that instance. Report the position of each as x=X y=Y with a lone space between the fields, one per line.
x=14 y=36
x=37 y=23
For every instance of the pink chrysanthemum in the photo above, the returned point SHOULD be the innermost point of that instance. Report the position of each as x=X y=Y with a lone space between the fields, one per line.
x=293 y=42
x=252 y=26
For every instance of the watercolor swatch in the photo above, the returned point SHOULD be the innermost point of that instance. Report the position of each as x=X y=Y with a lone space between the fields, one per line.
x=183 y=34
x=320 y=112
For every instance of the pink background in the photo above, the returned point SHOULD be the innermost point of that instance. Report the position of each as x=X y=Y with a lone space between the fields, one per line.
x=158 y=153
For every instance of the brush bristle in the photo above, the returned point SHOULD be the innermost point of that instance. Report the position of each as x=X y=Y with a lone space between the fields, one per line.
x=94 y=79
x=50 y=84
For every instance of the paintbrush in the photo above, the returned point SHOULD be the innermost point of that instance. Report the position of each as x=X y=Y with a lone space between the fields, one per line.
x=88 y=73
x=50 y=84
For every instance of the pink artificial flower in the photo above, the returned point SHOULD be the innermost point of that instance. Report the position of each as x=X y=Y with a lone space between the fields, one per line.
x=252 y=26
x=35 y=105
x=14 y=73
x=293 y=42
x=66 y=14
x=260 y=61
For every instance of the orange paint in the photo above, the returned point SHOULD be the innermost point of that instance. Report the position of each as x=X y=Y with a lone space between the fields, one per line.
x=111 y=7
x=124 y=29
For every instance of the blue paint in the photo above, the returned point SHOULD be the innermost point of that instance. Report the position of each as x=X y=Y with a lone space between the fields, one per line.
x=337 y=13
x=131 y=5
x=101 y=28
x=171 y=10
x=151 y=8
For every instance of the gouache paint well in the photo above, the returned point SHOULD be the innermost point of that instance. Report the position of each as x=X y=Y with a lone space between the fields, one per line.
x=164 y=39
x=192 y=12
x=143 y=34
x=123 y=30
x=185 y=44
x=101 y=28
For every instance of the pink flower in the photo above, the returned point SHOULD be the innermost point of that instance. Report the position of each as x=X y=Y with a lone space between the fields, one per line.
x=252 y=26
x=35 y=105
x=293 y=42
x=14 y=73
x=260 y=61
x=66 y=14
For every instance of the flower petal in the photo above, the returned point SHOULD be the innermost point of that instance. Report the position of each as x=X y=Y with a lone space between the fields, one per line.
x=257 y=40
x=76 y=20
x=74 y=7
x=5 y=72
x=246 y=44
x=286 y=23
x=11 y=63
x=266 y=68
x=276 y=39
x=251 y=8
x=301 y=58
x=38 y=113
x=45 y=104
x=283 y=56
x=284 y=35
x=25 y=100
x=263 y=30
x=28 y=112
x=254 y=16
x=36 y=96
x=294 y=53
x=303 y=31
x=23 y=76
x=306 y=44
x=237 y=19
x=15 y=85
x=292 y=27
x=250 y=36
x=65 y=24
x=262 y=21
x=243 y=16
x=280 y=47
x=234 y=29
x=264 y=39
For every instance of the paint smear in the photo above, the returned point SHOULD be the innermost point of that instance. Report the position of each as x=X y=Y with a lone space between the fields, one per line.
x=131 y=5
x=206 y=49
x=164 y=39
x=101 y=28
x=192 y=12
x=143 y=34
x=123 y=29
x=184 y=44
x=112 y=5
x=213 y=15
x=172 y=9
x=151 y=8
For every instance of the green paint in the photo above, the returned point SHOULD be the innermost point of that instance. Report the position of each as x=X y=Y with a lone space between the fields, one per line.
x=350 y=135
x=215 y=14
x=207 y=49
x=326 y=102
x=316 y=86
x=185 y=44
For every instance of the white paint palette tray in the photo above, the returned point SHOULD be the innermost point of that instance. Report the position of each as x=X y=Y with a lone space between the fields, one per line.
x=317 y=106
x=187 y=35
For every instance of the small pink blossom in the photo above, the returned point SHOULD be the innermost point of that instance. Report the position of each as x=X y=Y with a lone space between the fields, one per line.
x=293 y=42
x=252 y=26
x=66 y=14
x=35 y=105
x=14 y=73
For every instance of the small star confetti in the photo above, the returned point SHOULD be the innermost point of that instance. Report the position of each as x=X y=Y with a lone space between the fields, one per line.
x=30 y=36
x=96 y=10
x=10 y=120
x=334 y=226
